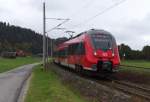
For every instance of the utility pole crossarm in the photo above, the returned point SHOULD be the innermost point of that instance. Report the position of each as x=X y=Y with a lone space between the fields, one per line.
x=58 y=18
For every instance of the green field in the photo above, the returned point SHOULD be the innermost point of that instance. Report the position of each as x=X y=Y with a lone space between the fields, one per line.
x=139 y=63
x=8 y=64
x=47 y=87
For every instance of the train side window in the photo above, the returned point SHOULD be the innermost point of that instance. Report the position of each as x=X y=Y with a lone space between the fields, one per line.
x=80 y=50
x=66 y=52
x=70 y=50
x=63 y=53
x=76 y=49
x=59 y=53
x=56 y=54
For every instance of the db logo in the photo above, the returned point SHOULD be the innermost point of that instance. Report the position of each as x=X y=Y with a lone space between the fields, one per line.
x=105 y=54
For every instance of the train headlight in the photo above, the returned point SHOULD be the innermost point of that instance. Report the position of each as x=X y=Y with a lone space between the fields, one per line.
x=95 y=53
x=113 y=54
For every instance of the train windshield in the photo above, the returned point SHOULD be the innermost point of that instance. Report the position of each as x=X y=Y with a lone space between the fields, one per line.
x=101 y=41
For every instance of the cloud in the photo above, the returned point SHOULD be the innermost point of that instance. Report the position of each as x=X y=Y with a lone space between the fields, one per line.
x=135 y=33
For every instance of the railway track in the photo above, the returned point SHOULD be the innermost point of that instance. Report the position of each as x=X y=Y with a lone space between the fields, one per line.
x=127 y=87
x=133 y=89
x=123 y=86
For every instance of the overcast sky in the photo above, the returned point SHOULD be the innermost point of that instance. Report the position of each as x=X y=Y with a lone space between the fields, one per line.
x=129 y=22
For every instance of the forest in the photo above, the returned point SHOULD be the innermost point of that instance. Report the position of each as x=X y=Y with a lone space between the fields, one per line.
x=14 y=38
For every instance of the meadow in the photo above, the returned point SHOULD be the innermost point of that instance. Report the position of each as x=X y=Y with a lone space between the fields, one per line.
x=8 y=64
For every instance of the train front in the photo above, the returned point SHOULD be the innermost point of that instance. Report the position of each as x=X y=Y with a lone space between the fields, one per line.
x=105 y=51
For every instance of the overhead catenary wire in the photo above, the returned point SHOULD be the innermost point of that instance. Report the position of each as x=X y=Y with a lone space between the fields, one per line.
x=82 y=7
x=98 y=14
x=86 y=5
x=74 y=14
x=65 y=20
x=58 y=25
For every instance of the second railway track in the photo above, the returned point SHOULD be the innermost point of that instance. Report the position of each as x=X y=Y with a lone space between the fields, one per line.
x=127 y=87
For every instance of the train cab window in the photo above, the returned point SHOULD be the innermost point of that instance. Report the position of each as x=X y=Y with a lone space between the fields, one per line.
x=76 y=49
x=102 y=41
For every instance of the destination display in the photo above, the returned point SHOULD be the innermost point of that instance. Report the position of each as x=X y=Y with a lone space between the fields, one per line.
x=100 y=36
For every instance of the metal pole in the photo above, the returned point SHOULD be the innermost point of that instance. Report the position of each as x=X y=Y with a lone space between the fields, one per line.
x=44 y=37
x=51 y=48
x=47 y=49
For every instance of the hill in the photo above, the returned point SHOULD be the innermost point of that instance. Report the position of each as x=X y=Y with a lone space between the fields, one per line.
x=14 y=38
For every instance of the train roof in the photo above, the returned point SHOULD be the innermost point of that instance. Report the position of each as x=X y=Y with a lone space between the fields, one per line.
x=98 y=31
x=93 y=31
x=80 y=36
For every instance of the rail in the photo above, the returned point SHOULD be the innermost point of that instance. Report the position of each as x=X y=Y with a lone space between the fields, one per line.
x=132 y=89
x=123 y=86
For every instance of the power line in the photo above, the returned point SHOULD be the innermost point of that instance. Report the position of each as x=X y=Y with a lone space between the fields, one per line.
x=84 y=6
x=66 y=20
x=74 y=14
x=100 y=13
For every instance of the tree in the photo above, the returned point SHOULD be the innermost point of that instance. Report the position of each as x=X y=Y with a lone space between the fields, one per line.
x=146 y=52
x=15 y=37
x=125 y=51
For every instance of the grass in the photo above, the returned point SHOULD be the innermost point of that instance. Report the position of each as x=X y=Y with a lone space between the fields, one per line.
x=139 y=63
x=47 y=87
x=8 y=64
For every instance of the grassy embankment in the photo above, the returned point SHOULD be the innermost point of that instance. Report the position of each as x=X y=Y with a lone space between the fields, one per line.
x=47 y=87
x=139 y=63
x=8 y=64
x=133 y=74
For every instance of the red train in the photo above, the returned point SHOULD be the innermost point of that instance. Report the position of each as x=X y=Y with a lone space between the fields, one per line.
x=93 y=50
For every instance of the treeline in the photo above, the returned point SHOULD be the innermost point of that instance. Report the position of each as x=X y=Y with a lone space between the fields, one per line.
x=14 y=38
x=126 y=52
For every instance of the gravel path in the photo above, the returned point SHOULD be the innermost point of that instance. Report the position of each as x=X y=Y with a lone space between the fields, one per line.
x=11 y=82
